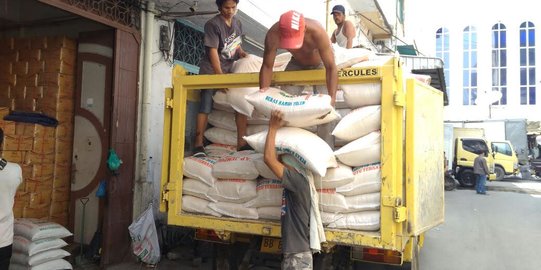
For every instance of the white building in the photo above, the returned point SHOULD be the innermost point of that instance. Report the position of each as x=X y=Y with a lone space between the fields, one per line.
x=489 y=51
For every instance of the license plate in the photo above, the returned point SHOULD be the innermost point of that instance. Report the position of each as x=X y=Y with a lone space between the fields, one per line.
x=271 y=245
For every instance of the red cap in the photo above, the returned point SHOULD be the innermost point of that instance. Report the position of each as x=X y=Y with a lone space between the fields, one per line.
x=291 y=30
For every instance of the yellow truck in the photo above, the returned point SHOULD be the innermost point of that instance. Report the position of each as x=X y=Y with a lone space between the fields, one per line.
x=502 y=159
x=412 y=191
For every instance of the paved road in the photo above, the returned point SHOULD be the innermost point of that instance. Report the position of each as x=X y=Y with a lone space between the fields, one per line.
x=498 y=231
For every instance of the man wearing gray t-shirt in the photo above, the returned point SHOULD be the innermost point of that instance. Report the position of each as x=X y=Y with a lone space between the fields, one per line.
x=223 y=39
x=295 y=203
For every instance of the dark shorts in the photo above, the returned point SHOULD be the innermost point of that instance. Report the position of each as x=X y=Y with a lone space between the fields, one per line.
x=206 y=101
x=297 y=261
x=5 y=256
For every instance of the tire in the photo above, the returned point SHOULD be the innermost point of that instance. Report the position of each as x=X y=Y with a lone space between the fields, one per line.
x=500 y=172
x=467 y=178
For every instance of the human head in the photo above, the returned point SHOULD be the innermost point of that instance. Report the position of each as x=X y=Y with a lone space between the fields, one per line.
x=338 y=14
x=292 y=26
x=227 y=8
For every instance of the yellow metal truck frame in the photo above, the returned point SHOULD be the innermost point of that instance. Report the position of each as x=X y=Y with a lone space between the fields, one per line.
x=406 y=189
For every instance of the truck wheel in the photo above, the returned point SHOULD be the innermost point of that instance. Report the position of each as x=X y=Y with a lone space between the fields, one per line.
x=500 y=172
x=467 y=178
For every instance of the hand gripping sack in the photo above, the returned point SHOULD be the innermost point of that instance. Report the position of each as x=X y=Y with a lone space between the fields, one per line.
x=144 y=237
x=299 y=111
x=310 y=150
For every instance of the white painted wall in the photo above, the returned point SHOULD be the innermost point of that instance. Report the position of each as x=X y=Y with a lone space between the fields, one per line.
x=424 y=17
x=148 y=190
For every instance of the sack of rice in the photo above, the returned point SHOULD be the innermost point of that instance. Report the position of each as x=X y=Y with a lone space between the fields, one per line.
x=335 y=177
x=197 y=205
x=310 y=150
x=367 y=179
x=235 y=210
x=269 y=193
x=238 y=165
x=358 y=123
x=200 y=168
x=233 y=190
x=362 y=151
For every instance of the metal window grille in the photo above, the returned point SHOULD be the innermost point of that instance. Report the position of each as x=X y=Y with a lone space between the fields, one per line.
x=126 y=12
x=189 y=46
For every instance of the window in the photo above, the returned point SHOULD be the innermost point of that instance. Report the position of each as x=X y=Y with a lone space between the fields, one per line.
x=469 y=66
x=474 y=146
x=502 y=148
x=527 y=64
x=442 y=51
x=499 y=62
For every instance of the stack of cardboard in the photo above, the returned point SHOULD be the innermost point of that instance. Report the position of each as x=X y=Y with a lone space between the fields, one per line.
x=38 y=75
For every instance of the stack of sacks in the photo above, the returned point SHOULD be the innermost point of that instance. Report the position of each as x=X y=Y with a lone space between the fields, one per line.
x=38 y=244
x=224 y=130
x=356 y=204
x=236 y=184
x=198 y=180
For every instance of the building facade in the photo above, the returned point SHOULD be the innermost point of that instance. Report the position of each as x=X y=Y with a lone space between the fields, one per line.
x=490 y=58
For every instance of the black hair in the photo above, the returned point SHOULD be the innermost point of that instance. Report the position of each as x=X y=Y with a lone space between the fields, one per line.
x=1 y=136
x=219 y=3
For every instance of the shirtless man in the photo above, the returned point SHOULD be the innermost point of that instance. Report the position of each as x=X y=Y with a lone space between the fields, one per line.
x=309 y=45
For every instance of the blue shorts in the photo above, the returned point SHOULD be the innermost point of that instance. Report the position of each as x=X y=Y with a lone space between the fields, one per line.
x=205 y=105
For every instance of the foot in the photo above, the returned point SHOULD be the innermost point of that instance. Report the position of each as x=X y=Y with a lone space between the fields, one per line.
x=245 y=147
x=199 y=151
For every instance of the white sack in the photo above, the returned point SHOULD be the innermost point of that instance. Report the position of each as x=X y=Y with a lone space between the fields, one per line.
x=235 y=210
x=269 y=193
x=345 y=58
x=327 y=218
x=367 y=180
x=330 y=201
x=221 y=136
x=299 y=111
x=30 y=248
x=358 y=123
x=238 y=165
x=233 y=190
x=364 y=94
x=50 y=265
x=222 y=119
x=310 y=150
x=362 y=221
x=335 y=177
x=270 y=212
x=144 y=237
x=362 y=151
x=363 y=202
x=258 y=118
x=216 y=150
x=36 y=229
x=263 y=169
x=196 y=188
x=197 y=205
x=200 y=168
x=42 y=257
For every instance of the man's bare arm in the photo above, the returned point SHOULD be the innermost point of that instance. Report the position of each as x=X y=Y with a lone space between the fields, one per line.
x=270 y=151
x=271 y=45
x=327 y=57
x=350 y=33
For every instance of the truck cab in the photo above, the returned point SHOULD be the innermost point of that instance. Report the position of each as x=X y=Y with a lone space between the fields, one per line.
x=505 y=158
x=465 y=152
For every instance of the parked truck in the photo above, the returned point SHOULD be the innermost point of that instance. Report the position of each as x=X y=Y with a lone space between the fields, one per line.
x=412 y=192
x=512 y=130
x=461 y=146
